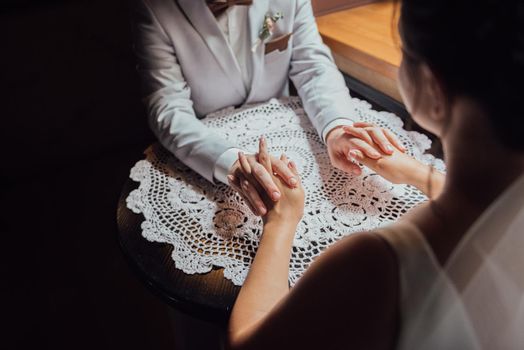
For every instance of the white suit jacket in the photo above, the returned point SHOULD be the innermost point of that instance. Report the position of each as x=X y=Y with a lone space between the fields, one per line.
x=188 y=70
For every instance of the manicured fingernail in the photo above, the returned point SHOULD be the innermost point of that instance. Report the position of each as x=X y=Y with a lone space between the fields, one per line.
x=231 y=178
x=292 y=163
x=293 y=181
x=389 y=148
x=375 y=154
x=353 y=154
x=276 y=196
x=245 y=185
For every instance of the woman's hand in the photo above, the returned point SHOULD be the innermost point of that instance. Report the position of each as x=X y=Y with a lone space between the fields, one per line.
x=370 y=140
x=257 y=186
x=268 y=279
x=398 y=168
x=401 y=168
x=290 y=207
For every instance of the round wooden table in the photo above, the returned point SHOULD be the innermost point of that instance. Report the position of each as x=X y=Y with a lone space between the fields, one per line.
x=209 y=297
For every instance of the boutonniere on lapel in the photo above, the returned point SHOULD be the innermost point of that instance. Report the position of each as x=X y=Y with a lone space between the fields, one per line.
x=268 y=28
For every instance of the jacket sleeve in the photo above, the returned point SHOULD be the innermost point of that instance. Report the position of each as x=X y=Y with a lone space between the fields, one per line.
x=319 y=83
x=167 y=97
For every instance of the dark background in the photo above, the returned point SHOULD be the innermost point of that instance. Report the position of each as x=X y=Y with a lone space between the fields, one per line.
x=72 y=125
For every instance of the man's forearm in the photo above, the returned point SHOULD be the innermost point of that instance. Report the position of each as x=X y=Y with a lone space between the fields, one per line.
x=224 y=164
x=335 y=124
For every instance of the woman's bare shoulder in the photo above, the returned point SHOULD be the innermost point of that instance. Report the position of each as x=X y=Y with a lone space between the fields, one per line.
x=365 y=250
x=363 y=259
x=355 y=284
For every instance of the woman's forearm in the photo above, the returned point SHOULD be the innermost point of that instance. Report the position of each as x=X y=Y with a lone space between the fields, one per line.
x=267 y=281
x=428 y=180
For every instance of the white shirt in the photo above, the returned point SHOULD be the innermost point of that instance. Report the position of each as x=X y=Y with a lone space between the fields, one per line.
x=234 y=24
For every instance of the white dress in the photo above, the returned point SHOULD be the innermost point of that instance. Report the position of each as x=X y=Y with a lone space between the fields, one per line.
x=487 y=310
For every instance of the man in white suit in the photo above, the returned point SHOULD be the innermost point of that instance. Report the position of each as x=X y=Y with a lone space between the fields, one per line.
x=199 y=56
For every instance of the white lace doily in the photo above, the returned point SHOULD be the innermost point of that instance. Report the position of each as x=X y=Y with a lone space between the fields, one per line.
x=210 y=225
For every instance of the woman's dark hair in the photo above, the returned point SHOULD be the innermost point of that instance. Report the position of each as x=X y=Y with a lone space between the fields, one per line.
x=476 y=49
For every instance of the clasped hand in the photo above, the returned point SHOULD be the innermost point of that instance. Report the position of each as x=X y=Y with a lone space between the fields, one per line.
x=347 y=146
x=260 y=175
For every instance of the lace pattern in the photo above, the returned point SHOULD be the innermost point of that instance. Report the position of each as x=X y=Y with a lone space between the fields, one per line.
x=210 y=225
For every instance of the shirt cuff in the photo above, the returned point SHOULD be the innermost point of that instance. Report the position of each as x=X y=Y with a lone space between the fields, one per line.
x=224 y=164
x=333 y=124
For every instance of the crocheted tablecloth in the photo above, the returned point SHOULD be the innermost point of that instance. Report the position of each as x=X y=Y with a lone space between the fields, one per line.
x=209 y=225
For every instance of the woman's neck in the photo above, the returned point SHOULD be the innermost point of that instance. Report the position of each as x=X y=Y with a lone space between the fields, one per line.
x=479 y=169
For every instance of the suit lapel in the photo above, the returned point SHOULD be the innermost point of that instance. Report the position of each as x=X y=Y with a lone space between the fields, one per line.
x=256 y=15
x=206 y=25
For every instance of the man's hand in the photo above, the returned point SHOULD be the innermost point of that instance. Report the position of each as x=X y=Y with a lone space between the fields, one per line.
x=363 y=137
x=251 y=186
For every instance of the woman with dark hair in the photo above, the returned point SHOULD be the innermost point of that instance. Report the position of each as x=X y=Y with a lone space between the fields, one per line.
x=450 y=274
